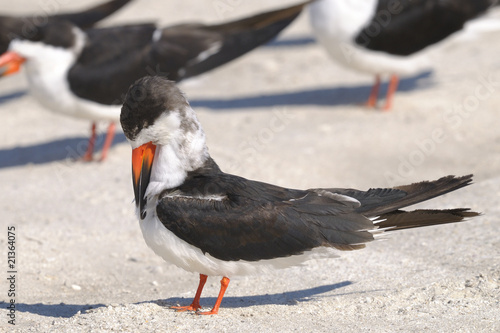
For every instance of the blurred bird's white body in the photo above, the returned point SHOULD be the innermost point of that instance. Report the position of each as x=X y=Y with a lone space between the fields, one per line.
x=47 y=70
x=336 y=23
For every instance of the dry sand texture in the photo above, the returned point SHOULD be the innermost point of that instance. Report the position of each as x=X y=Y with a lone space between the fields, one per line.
x=283 y=114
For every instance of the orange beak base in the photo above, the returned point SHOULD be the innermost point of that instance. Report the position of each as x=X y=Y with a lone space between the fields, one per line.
x=10 y=63
x=142 y=162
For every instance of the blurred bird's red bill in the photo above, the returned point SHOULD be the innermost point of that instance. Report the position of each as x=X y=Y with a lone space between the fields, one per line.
x=10 y=63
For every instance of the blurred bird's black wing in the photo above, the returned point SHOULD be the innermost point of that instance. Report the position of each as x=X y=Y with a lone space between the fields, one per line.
x=87 y=18
x=408 y=26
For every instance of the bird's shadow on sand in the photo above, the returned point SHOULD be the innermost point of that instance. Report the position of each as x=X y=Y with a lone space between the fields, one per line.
x=11 y=96
x=61 y=310
x=323 y=96
x=64 y=310
x=290 y=41
x=73 y=148
x=286 y=298
x=65 y=149
x=57 y=150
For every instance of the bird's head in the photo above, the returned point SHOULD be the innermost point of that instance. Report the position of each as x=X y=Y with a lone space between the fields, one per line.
x=166 y=138
x=48 y=46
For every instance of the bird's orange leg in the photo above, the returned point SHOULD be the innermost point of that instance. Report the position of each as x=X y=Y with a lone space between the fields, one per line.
x=372 y=99
x=223 y=286
x=196 y=301
x=393 y=86
x=90 y=147
x=109 y=139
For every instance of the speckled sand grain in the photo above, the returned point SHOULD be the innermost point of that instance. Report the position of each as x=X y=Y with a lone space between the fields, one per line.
x=283 y=114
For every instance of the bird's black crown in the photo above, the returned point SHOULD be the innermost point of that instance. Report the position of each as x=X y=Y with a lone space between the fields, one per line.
x=56 y=33
x=146 y=100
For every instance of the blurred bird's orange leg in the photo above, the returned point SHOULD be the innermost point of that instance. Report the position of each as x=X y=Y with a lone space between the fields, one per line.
x=223 y=286
x=196 y=301
x=109 y=139
x=393 y=86
x=90 y=147
x=372 y=99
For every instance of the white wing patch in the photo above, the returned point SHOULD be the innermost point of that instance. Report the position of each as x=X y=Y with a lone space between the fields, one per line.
x=157 y=35
x=213 y=49
x=378 y=232
x=338 y=197
x=213 y=197
x=297 y=199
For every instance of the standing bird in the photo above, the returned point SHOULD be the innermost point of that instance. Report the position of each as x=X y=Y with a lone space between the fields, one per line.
x=86 y=74
x=386 y=37
x=12 y=27
x=206 y=221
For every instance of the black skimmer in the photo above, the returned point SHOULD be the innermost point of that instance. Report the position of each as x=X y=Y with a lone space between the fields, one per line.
x=385 y=37
x=206 y=221
x=25 y=27
x=86 y=74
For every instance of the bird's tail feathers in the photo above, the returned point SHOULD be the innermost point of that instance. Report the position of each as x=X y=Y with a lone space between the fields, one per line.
x=399 y=220
x=91 y=16
x=242 y=36
x=412 y=194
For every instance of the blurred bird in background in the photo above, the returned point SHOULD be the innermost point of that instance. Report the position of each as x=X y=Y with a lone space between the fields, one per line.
x=387 y=37
x=85 y=74
x=25 y=27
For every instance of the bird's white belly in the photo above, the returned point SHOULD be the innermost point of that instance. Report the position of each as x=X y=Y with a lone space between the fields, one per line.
x=178 y=252
x=51 y=89
x=47 y=70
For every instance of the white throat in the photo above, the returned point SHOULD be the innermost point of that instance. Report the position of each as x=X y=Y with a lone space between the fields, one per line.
x=47 y=70
x=181 y=149
x=46 y=64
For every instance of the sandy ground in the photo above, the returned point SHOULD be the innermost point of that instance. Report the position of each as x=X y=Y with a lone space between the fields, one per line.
x=283 y=114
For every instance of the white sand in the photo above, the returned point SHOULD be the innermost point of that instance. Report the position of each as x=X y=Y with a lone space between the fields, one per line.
x=285 y=115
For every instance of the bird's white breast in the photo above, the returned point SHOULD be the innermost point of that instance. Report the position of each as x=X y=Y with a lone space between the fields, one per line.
x=190 y=258
x=186 y=256
x=47 y=69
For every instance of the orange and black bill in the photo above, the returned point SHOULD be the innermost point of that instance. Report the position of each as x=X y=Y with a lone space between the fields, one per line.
x=10 y=62
x=142 y=162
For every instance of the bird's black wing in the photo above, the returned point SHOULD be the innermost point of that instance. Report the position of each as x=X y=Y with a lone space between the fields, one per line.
x=188 y=50
x=112 y=59
x=27 y=27
x=116 y=57
x=232 y=218
x=407 y=26
x=239 y=37
x=87 y=18
x=13 y=28
x=385 y=203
